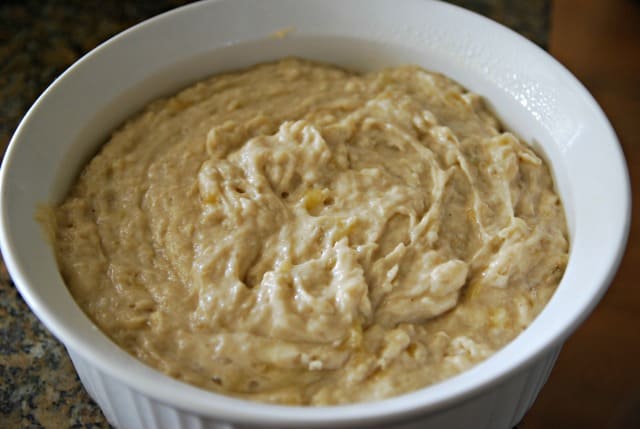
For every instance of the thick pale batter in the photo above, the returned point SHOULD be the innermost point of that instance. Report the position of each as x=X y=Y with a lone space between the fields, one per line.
x=296 y=233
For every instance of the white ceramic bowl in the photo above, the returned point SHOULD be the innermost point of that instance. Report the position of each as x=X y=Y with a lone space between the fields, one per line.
x=531 y=92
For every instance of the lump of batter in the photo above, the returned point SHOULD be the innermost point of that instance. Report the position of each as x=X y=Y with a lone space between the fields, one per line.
x=297 y=233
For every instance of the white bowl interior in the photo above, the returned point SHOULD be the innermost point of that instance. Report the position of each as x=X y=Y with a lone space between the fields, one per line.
x=533 y=95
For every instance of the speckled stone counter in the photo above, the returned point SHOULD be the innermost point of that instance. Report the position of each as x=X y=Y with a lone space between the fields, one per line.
x=38 y=40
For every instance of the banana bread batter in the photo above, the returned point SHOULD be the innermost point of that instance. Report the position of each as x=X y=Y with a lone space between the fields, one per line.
x=296 y=233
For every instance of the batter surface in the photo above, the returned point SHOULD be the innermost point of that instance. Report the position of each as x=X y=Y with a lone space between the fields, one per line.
x=297 y=233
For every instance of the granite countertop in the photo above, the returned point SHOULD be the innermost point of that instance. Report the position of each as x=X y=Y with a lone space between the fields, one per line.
x=39 y=39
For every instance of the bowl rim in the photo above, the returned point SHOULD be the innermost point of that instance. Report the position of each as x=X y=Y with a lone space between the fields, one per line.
x=233 y=409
